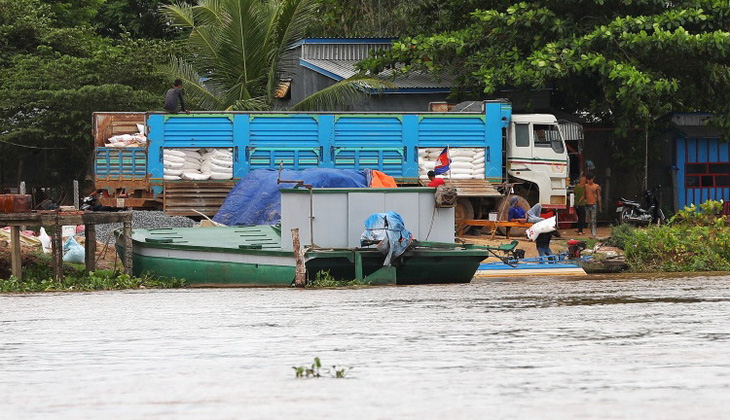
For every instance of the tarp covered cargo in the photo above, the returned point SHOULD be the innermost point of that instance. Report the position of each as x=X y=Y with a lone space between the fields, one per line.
x=256 y=199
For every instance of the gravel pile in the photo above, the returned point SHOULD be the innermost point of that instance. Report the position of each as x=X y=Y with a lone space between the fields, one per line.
x=143 y=220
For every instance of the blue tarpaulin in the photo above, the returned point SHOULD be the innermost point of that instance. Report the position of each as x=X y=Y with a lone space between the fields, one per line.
x=256 y=199
x=391 y=233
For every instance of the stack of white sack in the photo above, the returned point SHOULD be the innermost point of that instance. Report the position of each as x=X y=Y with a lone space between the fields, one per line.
x=128 y=140
x=466 y=162
x=217 y=163
x=173 y=161
x=198 y=164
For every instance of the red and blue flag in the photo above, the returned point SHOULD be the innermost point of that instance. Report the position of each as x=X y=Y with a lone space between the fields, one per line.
x=443 y=162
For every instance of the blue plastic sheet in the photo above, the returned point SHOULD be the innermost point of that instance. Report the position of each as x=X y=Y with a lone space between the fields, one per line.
x=387 y=228
x=256 y=199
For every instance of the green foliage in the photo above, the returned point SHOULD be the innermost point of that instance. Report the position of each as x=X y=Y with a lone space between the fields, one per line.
x=40 y=279
x=316 y=370
x=138 y=18
x=235 y=49
x=52 y=77
x=708 y=213
x=620 y=235
x=325 y=279
x=621 y=62
x=695 y=240
x=74 y=12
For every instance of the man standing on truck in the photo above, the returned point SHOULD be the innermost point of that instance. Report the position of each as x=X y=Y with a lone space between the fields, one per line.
x=174 y=101
x=593 y=201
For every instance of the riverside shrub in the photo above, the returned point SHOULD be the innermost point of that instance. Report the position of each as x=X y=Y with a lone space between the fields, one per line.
x=697 y=239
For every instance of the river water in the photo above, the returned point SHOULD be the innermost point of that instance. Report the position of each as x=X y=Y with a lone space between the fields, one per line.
x=553 y=348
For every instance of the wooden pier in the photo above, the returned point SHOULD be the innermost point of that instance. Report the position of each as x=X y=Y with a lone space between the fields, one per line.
x=55 y=221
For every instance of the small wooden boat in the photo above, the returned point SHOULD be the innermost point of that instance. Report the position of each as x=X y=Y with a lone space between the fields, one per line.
x=253 y=256
x=607 y=265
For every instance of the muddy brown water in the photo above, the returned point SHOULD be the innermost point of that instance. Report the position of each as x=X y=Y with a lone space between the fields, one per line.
x=642 y=347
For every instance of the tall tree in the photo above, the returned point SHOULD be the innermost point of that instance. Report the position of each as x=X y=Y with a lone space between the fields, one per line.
x=52 y=79
x=234 y=51
x=622 y=62
x=138 y=18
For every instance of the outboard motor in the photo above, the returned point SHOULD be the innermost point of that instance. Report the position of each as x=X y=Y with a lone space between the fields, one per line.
x=574 y=248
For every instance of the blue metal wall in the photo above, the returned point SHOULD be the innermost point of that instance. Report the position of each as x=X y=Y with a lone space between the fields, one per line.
x=691 y=150
x=386 y=142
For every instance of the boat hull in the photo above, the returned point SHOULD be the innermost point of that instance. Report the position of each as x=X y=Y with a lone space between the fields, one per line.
x=183 y=254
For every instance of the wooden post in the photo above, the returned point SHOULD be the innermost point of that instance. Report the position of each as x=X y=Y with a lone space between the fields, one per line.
x=57 y=252
x=127 y=232
x=300 y=278
x=15 y=252
x=90 y=257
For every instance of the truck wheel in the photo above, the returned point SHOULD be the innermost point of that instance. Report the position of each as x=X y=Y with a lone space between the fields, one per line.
x=464 y=210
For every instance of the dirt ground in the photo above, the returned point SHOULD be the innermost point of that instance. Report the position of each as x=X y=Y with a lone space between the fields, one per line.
x=557 y=245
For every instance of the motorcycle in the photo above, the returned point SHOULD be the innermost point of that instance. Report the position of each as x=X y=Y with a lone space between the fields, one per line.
x=631 y=212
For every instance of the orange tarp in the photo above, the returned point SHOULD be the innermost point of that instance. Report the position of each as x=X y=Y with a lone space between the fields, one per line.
x=381 y=180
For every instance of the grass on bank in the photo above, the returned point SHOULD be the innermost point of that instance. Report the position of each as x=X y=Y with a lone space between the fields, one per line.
x=696 y=239
x=38 y=277
x=324 y=279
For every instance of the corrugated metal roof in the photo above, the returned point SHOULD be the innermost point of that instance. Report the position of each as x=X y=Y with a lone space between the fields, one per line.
x=341 y=51
x=570 y=130
x=342 y=69
x=699 y=131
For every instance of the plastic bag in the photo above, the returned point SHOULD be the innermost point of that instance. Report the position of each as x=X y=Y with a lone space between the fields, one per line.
x=73 y=251
x=544 y=226
x=46 y=241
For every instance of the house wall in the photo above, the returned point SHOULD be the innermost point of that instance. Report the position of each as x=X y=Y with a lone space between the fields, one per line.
x=306 y=82
x=702 y=170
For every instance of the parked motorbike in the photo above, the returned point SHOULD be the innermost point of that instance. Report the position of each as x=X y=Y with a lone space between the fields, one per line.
x=632 y=212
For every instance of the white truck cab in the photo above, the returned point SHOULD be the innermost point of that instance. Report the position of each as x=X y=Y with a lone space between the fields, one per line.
x=536 y=155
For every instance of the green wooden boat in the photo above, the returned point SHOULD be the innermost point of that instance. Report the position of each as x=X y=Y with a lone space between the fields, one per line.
x=253 y=256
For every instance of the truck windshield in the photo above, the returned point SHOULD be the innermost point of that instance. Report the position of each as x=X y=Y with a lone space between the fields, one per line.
x=546 y=135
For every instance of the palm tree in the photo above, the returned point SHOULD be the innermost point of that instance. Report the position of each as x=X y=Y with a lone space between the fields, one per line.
x=235 y=49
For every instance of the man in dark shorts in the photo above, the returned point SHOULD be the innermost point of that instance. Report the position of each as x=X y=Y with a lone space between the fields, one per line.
x=174 y=101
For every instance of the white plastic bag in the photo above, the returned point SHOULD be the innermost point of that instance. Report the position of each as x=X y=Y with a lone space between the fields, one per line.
x=544 y=226
x=46 y=241
x=73 y=251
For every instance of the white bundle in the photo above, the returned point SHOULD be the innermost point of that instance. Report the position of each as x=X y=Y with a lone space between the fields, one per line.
x=461 y=159
x=479 y=153
x=171 y=177
x=461 y=176
x=461 y=165
x=461 y=152
x=477 y=161
x=224 y=163
x=195 y=176
x=218 y=175
x=174 y=152
x=461 y=172
x=190 y=165
x=173 y=172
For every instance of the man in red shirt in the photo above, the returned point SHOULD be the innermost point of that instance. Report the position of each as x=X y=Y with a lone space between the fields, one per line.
x=435 y=182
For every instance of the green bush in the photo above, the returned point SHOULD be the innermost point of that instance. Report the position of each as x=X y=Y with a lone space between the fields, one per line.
x=697 y=239
x=620 y=234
